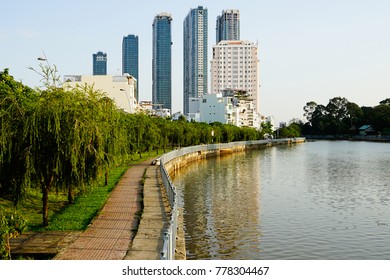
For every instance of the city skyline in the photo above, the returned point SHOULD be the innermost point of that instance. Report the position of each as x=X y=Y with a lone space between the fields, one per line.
x=308 y=51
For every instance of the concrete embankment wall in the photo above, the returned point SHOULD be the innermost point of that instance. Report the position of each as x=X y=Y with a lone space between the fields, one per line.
x=180 y=158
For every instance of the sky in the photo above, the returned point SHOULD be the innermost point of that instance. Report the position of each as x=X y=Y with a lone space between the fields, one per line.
x=309 y=50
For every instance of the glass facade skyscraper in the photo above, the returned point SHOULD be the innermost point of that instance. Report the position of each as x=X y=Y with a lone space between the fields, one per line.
x=195 y=73
x=162 y=61
x=99 y=63
x=228 y=26
x=130 y=58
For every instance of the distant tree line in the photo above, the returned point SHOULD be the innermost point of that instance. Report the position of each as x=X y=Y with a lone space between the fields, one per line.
x=340 y=116
x=57 y=140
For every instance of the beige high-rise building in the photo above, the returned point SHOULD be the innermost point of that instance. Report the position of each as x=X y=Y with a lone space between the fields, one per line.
x=235 y=65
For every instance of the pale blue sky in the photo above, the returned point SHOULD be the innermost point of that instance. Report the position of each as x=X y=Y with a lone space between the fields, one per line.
x=308 y=49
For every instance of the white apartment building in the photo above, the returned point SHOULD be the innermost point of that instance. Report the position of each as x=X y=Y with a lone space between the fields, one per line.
x=216 y=108
x=121 y=89
x=235 y=65
x=229 y=108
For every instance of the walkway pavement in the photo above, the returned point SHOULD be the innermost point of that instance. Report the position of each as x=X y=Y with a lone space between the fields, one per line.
x=110 y=234
x=148 y=243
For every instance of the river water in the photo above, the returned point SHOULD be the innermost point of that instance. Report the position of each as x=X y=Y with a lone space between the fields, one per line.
x=315 y=200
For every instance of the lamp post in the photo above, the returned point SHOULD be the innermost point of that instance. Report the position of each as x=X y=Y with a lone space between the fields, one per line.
x=128 y=99
x=48 y=73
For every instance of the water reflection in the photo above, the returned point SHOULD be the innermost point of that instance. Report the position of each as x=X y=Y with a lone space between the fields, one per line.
x=222 y=207
x=318 y=200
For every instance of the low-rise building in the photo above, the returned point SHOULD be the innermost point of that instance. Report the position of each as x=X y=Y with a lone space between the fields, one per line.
x=121 y=89
x=215 y=108
x=230 y=107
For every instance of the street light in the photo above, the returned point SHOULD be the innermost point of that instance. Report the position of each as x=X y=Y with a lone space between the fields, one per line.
x=44 y=58
x=128 y=98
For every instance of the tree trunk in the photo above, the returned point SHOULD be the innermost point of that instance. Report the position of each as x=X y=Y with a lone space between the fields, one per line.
x=106 y=178
x=70 y=195
x=45 y=206
x=45 y=201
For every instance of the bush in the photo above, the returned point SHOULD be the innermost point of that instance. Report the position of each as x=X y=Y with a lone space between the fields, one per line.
x=11 y=225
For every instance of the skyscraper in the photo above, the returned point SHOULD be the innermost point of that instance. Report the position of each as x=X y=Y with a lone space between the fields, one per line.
x=228 y=25
x=130 y=58
x=99 y=63
x=162 y=61
x=195 y=74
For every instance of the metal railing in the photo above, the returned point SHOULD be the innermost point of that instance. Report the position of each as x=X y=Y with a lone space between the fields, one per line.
x=168 y=251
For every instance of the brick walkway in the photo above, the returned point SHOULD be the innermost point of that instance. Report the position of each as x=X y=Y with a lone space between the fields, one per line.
x=109 y=235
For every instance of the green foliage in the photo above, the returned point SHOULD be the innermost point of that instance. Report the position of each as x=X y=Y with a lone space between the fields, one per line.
x=266 y=129
x=340 y=116
x=293 y=130
x=11 y=225
x=16 y=104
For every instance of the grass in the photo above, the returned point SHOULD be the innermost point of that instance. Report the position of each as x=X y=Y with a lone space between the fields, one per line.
x=78 y=215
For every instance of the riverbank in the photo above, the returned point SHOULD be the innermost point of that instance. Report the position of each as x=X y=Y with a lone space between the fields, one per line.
x=177 y=159
x=368 y=138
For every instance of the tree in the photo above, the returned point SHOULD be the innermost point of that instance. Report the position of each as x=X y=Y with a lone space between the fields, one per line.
x=16 y=104
x=266 y=129
x=66 y=141
x=355 y=113
x=385 y=102
x=381 y=117
x=318 y=119
x=309 y=109
x=335 y=118
x=293 y=130
x=337 y=108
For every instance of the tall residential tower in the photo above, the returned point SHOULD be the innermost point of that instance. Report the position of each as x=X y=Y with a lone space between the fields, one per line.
x=99 y=63
x=235 y=66
x=228 y=25
x=162 y=61
x=130 y=58
x=195 y=70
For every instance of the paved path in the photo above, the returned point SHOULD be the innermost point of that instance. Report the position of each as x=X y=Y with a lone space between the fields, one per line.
x=109 y=235
x=148 y=243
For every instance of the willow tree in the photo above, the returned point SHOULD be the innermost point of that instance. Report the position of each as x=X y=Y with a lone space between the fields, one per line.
x=67 y=142
x=16 y=102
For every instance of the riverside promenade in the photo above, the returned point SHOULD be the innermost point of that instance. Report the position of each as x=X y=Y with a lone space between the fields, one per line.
x=130 y=225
